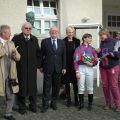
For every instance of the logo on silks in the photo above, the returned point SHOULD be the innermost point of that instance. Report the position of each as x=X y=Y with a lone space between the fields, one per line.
x=88 y=57
x=104 y=53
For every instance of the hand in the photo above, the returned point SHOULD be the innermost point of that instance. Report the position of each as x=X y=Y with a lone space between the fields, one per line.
x=89 y=63
x=78 y=75
x=13 y=82
x=63 y=71
x=111 y=54
x=14 y=50
x=98 y=50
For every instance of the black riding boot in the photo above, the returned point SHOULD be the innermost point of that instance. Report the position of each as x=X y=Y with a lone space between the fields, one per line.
x=90 y=101
x=81 y=101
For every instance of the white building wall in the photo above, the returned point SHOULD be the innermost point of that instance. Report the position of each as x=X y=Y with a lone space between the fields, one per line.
x=12 y=12
x=73 y=12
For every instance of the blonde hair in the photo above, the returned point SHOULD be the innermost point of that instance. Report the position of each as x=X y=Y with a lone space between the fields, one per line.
x=3 y=28
x=70 y=28
x=104 y=32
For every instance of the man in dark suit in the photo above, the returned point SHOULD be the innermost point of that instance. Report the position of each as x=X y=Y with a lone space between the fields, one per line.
x=53 y=65
x=27 y=67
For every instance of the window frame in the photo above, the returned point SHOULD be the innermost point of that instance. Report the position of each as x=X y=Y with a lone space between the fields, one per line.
x=43 y=17
x=112 y=29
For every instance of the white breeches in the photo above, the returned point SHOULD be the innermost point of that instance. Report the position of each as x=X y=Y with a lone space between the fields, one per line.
x=86 y=78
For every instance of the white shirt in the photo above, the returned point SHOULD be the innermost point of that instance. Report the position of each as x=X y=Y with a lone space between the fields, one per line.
x=117 y=46
x=55 y=42
x=3 y=41
x=27 y=37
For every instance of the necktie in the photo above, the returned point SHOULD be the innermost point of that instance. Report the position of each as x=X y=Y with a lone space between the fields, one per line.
x=6 y=47
x=26 y=38
x=54 y=45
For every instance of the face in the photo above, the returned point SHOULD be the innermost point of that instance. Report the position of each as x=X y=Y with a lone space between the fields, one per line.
x=54 y=32
x=70 y=34
x=103 y=37
x=88 y=40
x=118 y=35
x=27 y=29
x=6 y=34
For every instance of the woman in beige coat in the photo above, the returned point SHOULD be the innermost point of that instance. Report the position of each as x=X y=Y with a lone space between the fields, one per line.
x=8 y=58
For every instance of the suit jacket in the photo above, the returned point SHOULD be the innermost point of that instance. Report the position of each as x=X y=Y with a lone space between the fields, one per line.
x=70 y=76
x=28 y=64
x=53 y=60
x=13 y=71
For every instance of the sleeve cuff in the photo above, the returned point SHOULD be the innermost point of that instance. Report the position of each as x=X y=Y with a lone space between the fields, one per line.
x=77 y=71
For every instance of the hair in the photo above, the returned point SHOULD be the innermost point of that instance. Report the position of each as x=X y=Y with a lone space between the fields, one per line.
x=118 y=32
x=87 y=35
x=26 y=23
x=104 y=32
x=3 y=28
x=53 y=27
x=70 y=28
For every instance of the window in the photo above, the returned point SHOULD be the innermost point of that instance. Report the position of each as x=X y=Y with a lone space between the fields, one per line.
x=37 y=25
x=113 y=33
x=29 y=2
x=113 y=21
x=50 y=7
x=49 y=24
x=45 y=14
x=34 y=5
x=36 y=2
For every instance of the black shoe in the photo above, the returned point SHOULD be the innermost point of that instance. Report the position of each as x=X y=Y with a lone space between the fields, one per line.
x=43 y=110
x=22 y=112
x=53 y=106
x=76 y=104
x=9 y=117
x=34 y=110
x=68 y=104
x=89 y=107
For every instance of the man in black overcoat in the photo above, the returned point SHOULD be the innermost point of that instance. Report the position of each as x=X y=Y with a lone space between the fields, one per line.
x=27 y=67
x=53 y=65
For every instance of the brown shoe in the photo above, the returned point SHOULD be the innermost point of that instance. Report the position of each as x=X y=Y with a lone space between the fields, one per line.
x=117 y=109
x=107 y=107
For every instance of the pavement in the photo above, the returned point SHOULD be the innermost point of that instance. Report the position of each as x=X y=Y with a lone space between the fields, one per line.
x=71 y=113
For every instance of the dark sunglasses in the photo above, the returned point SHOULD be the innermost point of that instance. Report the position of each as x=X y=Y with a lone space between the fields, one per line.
x=28 y=28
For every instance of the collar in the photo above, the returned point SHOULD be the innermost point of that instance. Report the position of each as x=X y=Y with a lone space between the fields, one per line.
x=3 y=41
x=107 y=40
x=85 y=45
x=53 y=39
x=25 y=36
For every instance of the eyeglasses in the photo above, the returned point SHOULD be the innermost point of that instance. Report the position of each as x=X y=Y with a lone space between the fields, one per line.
x=28 y=28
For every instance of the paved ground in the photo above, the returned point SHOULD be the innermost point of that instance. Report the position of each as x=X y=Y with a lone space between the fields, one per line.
x=72 y=113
